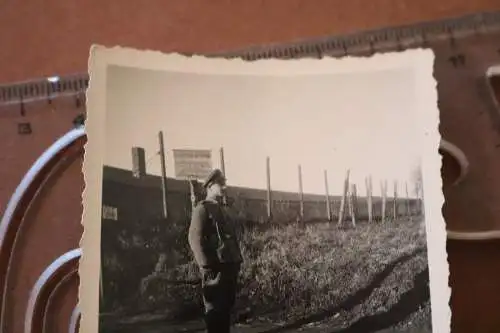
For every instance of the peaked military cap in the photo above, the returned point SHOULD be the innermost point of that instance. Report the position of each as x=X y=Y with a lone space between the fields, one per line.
x=215 y=175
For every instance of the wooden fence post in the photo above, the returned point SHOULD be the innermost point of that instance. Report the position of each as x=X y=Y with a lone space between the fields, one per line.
x=355 y=199
x=301 y=195
x=343 y=200
x=352 y=204
x=269 y=194
x=421 y=200
x=328 y=204
x=383 y=190
x=408 y=203
x=395 y=201
x=369 y=198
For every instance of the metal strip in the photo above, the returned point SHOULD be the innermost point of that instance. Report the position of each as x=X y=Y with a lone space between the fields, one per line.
x=459 y=156
x=51 y=294
x=74 y=320
x=386 y=39
x=37 y=293
x=392 y=37
x=20 y=201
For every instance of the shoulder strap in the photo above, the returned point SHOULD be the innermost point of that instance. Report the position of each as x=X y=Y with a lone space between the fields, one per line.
x=211 y=217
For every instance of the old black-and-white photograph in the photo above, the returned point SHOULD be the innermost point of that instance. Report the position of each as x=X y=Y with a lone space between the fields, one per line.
x=244 y=202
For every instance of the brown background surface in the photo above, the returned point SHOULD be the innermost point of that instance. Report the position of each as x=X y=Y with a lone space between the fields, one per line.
x=43 y=38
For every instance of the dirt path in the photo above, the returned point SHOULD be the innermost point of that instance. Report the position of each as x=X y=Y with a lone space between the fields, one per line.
x=197 y=327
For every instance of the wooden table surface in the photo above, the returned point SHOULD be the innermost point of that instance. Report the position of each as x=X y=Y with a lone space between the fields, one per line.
x=45 y=38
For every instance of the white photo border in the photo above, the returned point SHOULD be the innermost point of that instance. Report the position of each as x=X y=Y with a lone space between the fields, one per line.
x=420 y=61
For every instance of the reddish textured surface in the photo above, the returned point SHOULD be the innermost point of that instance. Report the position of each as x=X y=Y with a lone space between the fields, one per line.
x=47 y=37
x=42 y=39
x=468 y=121
x=47 y=232
x=62 y=306
x=19 y=152
x=475 y=299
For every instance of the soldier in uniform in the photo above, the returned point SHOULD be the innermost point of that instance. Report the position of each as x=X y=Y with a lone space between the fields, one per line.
x=216 y=250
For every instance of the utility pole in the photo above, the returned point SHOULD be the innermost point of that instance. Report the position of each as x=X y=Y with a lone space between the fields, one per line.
x=163 y=174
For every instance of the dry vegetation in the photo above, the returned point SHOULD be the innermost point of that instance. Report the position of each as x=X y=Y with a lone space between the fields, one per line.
x=314 y=275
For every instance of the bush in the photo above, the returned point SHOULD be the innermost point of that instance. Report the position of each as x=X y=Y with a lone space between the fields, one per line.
x=290 y=271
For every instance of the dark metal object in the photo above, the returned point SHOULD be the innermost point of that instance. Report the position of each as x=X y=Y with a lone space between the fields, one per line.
x=23 y=108
x=457 y=60
x=24 y=128
x=79 y=120
x=78 y=102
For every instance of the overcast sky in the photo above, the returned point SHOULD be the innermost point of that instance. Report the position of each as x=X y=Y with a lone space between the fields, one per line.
x=333 y=122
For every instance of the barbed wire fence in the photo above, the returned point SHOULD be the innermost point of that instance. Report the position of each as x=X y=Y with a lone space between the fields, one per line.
x=350 y=206
x=279 y=206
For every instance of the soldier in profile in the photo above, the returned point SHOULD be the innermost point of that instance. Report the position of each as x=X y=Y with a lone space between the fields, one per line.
x=215 y=248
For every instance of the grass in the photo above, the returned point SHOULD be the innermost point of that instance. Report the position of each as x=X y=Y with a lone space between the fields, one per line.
x=298 y=275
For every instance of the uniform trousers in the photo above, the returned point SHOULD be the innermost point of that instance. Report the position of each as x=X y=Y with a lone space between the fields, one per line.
x=219 y=288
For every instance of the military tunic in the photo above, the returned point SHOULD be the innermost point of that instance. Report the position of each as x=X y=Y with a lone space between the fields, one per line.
x=215 y=248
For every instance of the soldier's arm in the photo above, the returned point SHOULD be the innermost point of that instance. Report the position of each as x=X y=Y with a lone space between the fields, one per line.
x=197 y=230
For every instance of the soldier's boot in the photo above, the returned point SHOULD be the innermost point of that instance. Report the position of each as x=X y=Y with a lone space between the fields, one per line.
x=216 y=322
x=225 y=322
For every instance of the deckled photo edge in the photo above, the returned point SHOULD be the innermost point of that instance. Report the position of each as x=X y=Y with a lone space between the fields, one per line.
x=102 y=57
x=433 y=194
x=176 y=62
x=92 y=194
